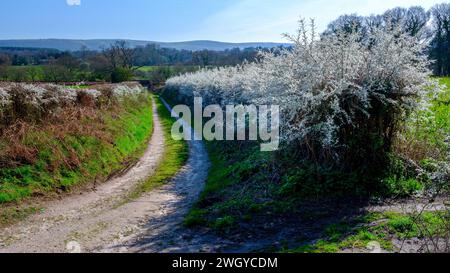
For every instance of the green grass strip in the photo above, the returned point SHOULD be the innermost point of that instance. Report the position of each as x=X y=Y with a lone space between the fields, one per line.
x=175 y=155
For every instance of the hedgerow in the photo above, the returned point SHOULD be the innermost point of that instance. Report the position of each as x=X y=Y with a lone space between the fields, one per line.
x=344 y=97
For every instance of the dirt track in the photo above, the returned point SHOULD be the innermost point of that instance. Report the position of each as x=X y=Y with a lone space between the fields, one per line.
x=92 y=219
x=97 y=221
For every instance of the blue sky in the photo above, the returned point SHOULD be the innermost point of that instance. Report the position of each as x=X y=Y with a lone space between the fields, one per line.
x=176 y=20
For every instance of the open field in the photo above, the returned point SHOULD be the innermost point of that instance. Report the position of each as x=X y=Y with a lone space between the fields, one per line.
x=147 y=68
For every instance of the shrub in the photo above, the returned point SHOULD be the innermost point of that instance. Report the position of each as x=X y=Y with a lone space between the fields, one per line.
x=224 y=223
x=121 y=75
x=343 y=98
x=36 y=102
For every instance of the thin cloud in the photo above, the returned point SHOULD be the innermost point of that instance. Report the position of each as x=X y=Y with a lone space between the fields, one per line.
x=262 y=20
x=73 y=2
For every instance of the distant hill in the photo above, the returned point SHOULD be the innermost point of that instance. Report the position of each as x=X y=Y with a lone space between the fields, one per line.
x=74 y=45
x=28 y=49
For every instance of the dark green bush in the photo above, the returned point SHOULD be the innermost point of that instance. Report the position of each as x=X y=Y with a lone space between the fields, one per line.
x=121 y=74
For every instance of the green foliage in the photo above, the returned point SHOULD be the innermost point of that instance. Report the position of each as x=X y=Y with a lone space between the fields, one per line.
x=121 y=74
x=157 y=75
x=45 y=73
x=403 y=187
x=224 y=223
x=195 y=218
x=401 y=224
x=11 y=214
x=417 y=226
x=351 y=234
x=22 y=73
x=425 y=142
x=427 y=132
x=315 y=181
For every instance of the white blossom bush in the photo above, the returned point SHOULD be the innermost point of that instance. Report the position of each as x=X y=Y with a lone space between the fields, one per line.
x=32 y=102
x=4 y=97
x=92 y=92
x=126 y=90
x=342 y=97
x=224 y=85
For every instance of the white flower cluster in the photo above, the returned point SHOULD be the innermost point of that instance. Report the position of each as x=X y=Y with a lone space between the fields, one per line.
x=224 y=85
x=37 y=94
x=4 y=97
x=92 y=92
x=46 y=98
x=125 y=90
x=322 y=84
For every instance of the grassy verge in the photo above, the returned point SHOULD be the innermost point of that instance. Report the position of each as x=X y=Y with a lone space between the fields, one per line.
x=383 y=228
x=87 y=146
x=428 y=130
x=426 y=141
x=238 y=186
x=175 y=155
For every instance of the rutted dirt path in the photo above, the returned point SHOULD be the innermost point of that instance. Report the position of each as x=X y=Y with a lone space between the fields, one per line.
x=92 y=219
x=174 y=201
x=165 y=233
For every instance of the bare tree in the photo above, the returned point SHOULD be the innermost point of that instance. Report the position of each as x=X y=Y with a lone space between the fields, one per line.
x=68 y=61
x=416 y=20
x=440 y=46
x=346 y=23
x=120 y=55
x=395 y=17
x=5 y=60
x=374 y=22
x=413 y=21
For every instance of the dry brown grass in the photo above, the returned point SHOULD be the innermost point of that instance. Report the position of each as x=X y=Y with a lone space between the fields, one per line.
x=416 y=149
x=82 y=118
x=69 y=121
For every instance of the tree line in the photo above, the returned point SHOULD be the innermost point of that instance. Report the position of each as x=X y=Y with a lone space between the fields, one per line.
x=432 y=27
x=117 y=63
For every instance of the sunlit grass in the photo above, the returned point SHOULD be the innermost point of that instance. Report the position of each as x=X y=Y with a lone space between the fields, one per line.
x=175 y=155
